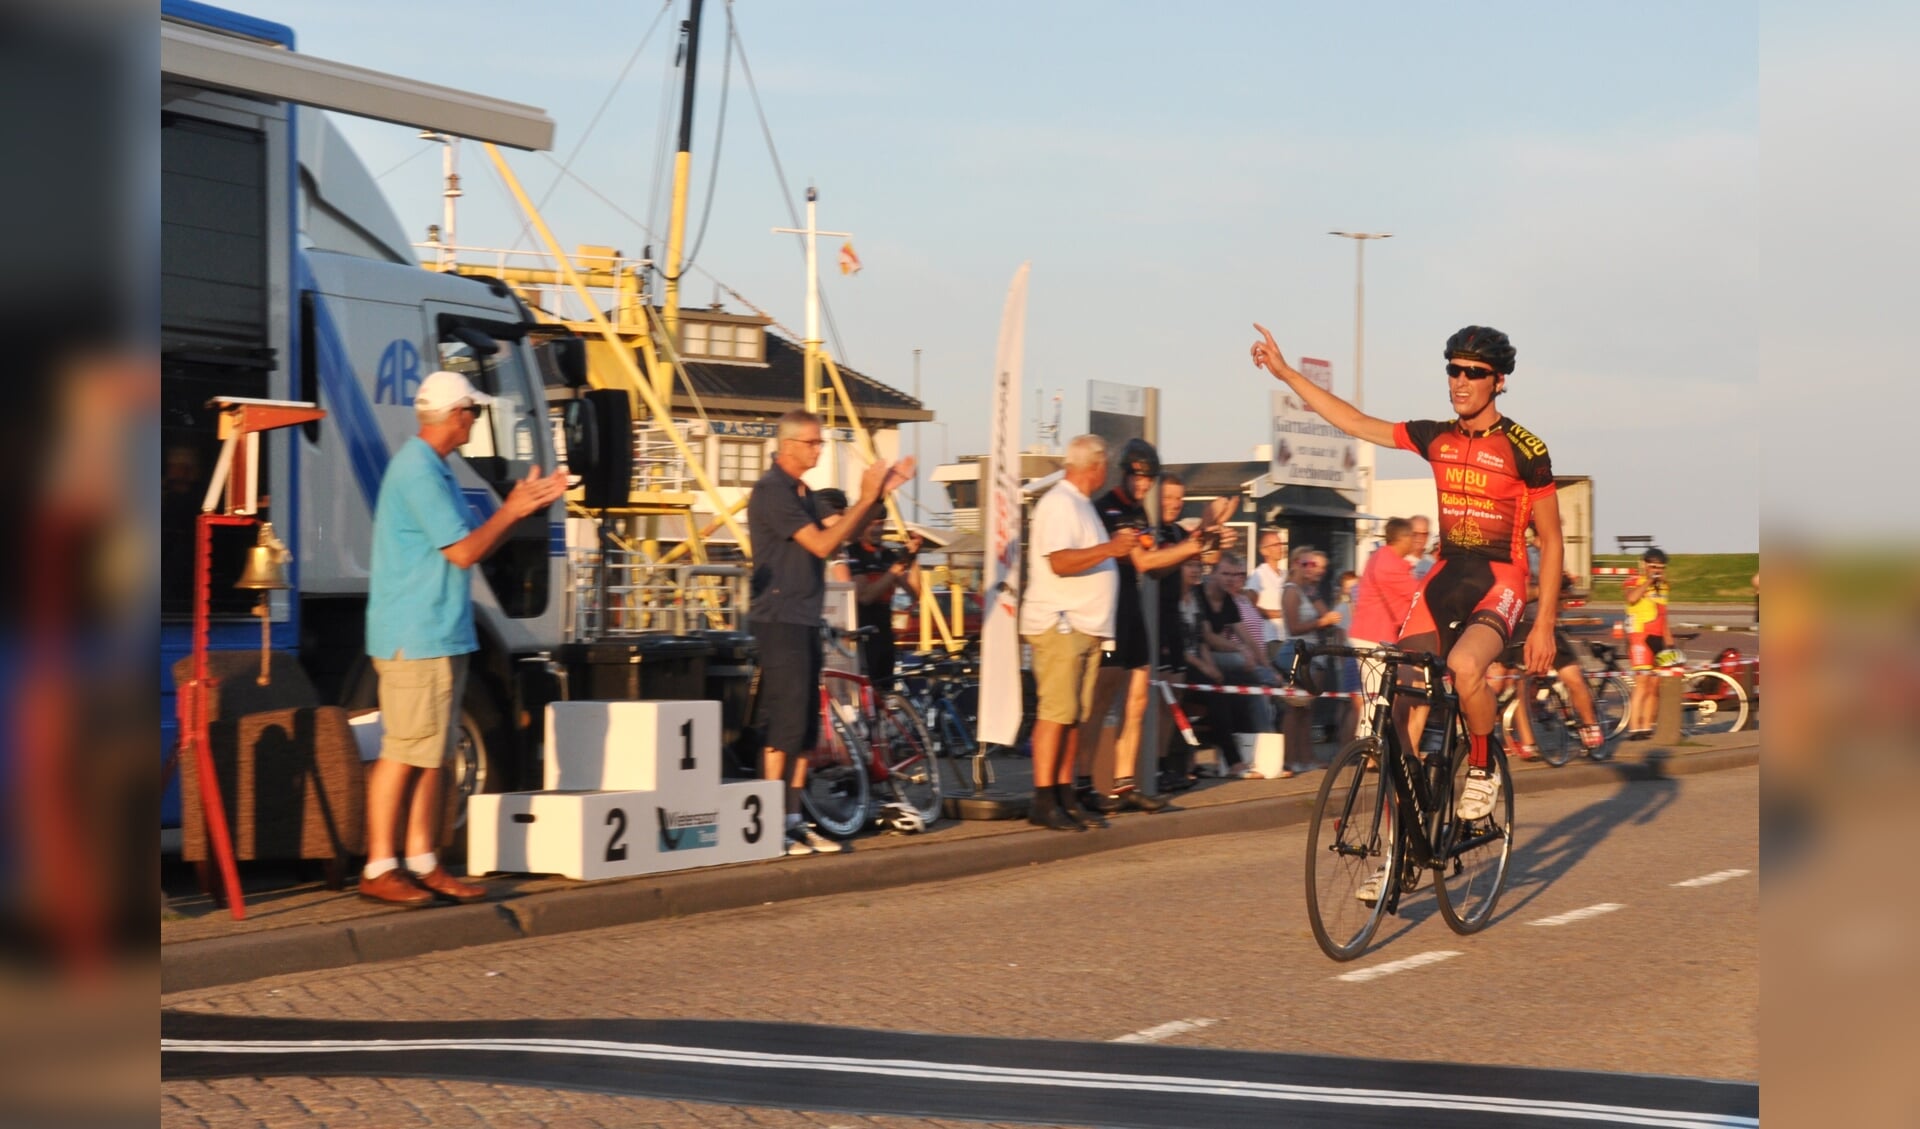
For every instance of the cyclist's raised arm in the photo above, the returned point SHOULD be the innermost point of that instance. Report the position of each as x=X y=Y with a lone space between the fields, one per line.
x=1339 y=413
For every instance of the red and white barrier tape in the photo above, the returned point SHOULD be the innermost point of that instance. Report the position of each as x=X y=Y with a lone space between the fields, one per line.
x=1292 y=694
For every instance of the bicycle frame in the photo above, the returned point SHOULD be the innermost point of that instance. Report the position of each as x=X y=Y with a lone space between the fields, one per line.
x=1420 y=785
x=867 y=716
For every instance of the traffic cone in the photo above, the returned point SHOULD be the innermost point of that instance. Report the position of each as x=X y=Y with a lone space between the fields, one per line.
x=1619 y=630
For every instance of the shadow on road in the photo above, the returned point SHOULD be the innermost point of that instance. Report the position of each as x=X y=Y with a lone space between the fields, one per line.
x=1540 y=859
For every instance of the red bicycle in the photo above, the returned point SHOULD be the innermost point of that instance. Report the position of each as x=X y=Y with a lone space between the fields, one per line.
x=869 y=744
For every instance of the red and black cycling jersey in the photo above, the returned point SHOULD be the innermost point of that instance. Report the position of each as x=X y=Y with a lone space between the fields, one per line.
x=1489 y=481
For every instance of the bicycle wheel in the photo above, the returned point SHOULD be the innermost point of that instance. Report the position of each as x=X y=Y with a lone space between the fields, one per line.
x=1609 y=705
x=1352 y=840
x=836 y=795
x=1474 y=853
x=913 y=772
x=1556 y=729
x=1714 y=703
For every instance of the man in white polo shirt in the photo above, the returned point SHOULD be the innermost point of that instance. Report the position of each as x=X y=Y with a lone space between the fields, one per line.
x=1066 y=611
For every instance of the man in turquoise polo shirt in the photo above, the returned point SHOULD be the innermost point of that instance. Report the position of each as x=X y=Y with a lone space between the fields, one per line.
x=420 y=632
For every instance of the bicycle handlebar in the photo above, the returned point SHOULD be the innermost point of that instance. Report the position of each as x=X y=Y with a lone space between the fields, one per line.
x=1304 y=655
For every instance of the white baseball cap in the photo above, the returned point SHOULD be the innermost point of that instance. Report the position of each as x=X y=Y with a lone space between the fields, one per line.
x=442 y=390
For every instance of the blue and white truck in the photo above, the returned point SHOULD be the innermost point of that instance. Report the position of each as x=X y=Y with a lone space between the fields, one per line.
x=286 y=275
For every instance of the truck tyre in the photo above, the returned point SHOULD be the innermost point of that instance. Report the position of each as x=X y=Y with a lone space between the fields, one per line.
x=481 y=762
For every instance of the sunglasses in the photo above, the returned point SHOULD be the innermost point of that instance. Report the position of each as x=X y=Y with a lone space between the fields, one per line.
x=1469 y=373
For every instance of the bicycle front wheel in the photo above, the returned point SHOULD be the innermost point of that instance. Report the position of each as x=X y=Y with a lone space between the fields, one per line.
x=1474 y=853
x=913 y=772
x=836 y=796
x=1353 y=850
x=1714 y=703
x=1609 y=705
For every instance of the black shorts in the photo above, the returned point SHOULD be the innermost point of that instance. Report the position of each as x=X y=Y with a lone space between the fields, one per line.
x=1130 y=651
x=1516 y=653
x=787 y=710
x=1463 y=590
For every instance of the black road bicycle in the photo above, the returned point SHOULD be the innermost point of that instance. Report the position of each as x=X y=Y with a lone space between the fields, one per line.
x=1384 y=816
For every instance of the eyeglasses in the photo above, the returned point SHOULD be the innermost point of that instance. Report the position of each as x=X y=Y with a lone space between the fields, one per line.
x=1469 y=373
x=809 y=442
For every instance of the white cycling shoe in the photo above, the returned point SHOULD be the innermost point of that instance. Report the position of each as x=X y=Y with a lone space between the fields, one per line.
x=1477 y=795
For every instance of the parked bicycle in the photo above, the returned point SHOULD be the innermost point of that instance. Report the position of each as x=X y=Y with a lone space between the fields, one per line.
x=1384 y=815
x=1555 y=724
x=1711 y=701
x=869 y=744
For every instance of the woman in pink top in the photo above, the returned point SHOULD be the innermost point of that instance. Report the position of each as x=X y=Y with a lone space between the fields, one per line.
x=1380 y=605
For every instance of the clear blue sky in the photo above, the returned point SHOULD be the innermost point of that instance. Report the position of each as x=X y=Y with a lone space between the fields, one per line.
x=1583 y=177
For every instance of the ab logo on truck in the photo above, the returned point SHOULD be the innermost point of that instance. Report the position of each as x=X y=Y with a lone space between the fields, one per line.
x=399 y=373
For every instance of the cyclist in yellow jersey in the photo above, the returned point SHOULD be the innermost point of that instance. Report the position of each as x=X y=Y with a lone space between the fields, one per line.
x=1646 y=640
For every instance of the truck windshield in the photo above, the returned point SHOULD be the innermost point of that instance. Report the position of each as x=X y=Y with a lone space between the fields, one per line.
x=506 y=445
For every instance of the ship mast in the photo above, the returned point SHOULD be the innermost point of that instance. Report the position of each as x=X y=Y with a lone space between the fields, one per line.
x=677 y=224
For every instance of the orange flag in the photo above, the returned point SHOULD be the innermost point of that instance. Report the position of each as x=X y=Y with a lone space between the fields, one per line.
x=849 y=262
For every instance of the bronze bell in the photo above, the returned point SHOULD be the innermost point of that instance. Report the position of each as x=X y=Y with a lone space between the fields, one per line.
x=266 y=563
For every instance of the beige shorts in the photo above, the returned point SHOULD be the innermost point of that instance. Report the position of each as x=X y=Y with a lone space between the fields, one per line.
x=1065 y=668
x=420 y=708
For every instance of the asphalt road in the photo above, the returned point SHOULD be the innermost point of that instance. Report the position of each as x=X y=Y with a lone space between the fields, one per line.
x=1599 y=962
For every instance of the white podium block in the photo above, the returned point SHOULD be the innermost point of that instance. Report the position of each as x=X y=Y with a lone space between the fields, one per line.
x=633 y=746
x=1265 y=752
x=613 y=834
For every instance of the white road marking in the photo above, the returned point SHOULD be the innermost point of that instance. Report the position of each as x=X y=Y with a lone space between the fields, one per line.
x=1006 y=1075
x=1418 y=960
x=1716 y=876
x=1573 y=915
x=1166 y=1030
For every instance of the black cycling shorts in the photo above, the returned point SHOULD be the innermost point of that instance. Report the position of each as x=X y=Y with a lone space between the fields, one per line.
x=1516 y=654
x=787 y=711
x=1462 y=590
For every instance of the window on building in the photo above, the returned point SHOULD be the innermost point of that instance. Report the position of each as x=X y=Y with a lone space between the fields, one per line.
x=721 y=340
x=742 y=462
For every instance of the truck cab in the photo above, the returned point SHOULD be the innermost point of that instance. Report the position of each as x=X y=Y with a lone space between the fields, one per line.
x=287 y=276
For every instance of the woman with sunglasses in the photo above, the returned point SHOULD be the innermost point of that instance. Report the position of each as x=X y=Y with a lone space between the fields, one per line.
x=1494 y=479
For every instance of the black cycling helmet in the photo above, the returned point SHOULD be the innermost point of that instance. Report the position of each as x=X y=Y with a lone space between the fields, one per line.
x=832 y=501
x=1485 y=344
x=1654 y=556
x=1139 y=457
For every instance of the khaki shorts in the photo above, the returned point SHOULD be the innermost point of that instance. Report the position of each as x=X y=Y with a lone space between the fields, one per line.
x=1065 y=668
x=420 y=708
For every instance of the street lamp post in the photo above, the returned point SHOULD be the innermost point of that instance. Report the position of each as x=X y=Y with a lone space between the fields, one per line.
x=1359 y=350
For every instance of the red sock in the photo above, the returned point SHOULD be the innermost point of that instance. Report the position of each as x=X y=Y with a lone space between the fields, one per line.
x=1477 y=750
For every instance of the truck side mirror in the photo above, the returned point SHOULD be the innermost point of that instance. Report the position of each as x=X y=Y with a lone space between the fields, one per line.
x=608 y=481
x=563 y=362
x=481 y=344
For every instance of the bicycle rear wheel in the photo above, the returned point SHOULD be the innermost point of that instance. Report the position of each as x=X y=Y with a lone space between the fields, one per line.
x=836 y=796
x=913 y=772
x=1474 y=853
x=1352 y=840
x=1714 y=703
x=1556 y=729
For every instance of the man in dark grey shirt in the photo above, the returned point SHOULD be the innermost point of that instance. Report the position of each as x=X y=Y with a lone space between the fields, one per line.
x=790 y=551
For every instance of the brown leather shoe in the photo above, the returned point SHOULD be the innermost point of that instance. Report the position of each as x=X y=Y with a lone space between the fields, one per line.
x=395 y=888
x=447 y=886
